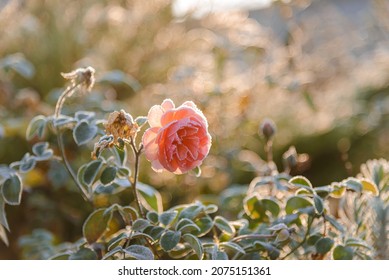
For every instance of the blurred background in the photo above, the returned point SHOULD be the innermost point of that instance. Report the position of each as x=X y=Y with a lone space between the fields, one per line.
x=318 y=68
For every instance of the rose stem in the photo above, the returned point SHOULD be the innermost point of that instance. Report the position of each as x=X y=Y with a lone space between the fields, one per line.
x=61 y=145
x=137 y=153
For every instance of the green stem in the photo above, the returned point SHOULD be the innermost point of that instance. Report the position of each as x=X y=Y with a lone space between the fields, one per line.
x=252 y=236
x=310 y=221
x=137 y=153
x=58 y=109
x=269 y=150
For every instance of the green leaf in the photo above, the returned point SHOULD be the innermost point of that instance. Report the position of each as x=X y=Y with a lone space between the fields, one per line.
x=112 y=252
x=338 y=190
x=139 y=252
x=118 y=241
x=42 y=151
x=319 y=204
x=154 y=231
x=235 y=248
x=166 y=218
x=211 y=209
x=18 y=63
x=295 y=203
x=191 y=211
x=36 y=127
x=96 y=225
x=187 y=226
x=257 y=208
x=108 y=175
x=84 y=115
x=334 y=223
x=84 y=254
x=311 y=241
x=63 y=120
x=150 y=197
x=124 y=172
x=324 y=245
x=353 y=184
x=152 y=217
x=140 y=121
x=3 y=217
x=282 y=235
x=12 y=190
x=91 y=171
x=271 y=250
x=197 y=171
x=128 y=213
x=27 y=163
x=195 y=244
x=84 y=132
x=322 y=192
x=140 y=225
x=219 y=255
x=61 y=257
x=223 y=225
x=369 y=186
x=301 y=182
x=354 y=242
x=205 y=225
x=342 y=253
x=169 y=240
x=278 y=227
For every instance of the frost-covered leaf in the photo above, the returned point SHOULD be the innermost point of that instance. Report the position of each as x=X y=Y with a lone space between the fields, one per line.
x=139 y=252
x=36 y=127
x=84 y=132
x=195 y=244
x=96 y=225
x=12 y=190
x=170 y=239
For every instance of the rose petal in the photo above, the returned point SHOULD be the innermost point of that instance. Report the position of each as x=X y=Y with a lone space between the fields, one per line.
x=167 y=105
x=150 y=144
x=155 y=115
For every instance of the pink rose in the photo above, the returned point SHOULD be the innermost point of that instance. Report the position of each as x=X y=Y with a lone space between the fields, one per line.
x=178 y=138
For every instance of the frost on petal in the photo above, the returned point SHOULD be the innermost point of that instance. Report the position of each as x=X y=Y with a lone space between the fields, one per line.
x=190 y=104
x=150 y=144
x=167 y=105
x=155 y=115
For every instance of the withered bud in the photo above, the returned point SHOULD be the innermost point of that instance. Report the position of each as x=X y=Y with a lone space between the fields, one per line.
x=81 y=76
x=268 y=129
x=290 y=158
x=121 y=125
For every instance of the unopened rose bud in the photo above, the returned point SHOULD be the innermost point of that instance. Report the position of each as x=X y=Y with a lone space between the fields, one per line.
x=268 y=129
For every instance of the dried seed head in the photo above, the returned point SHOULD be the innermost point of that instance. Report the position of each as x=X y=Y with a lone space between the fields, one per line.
x=121 y=126
x=81 y=76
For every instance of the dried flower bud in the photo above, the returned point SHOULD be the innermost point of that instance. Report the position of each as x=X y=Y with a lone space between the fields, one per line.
x=105 y=142
x=121 y=125
x=81 y=76
x=268 y=129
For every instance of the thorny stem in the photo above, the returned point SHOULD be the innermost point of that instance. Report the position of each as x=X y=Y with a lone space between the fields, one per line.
x=137 y=153
x=61 y=145
x=310 y=221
